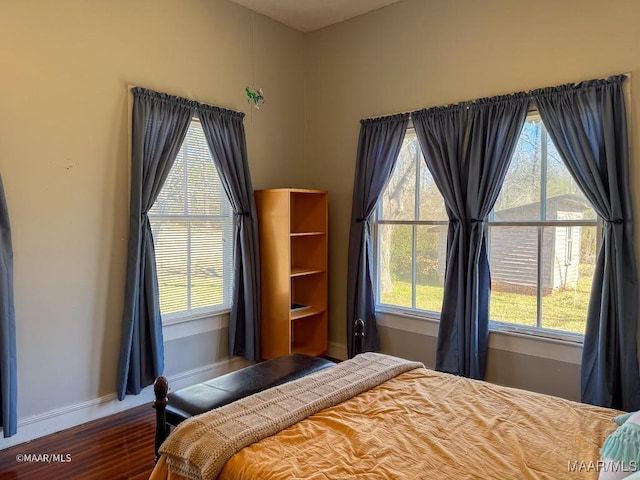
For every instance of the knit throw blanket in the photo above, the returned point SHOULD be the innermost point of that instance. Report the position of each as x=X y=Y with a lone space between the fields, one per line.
x=200 y=446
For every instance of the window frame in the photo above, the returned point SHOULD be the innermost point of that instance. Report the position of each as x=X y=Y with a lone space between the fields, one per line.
x=191 y=314
x=497 y=326
x=540 y=225
x=377 y=221
x=538 y=330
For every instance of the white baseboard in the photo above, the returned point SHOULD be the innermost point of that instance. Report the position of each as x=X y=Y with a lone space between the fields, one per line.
x=337 y=351
x=59 y=419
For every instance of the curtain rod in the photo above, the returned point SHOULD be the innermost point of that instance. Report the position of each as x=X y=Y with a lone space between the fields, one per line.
x=627 y=74
x=201 y=104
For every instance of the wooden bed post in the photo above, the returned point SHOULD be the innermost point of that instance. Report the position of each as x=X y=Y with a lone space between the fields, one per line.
x=160 y=388
x=359 y=334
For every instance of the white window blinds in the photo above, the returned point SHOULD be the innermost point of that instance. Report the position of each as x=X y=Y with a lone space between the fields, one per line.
x=192 y=224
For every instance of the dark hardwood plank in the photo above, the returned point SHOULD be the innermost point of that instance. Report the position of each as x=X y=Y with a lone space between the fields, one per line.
x=116 y=447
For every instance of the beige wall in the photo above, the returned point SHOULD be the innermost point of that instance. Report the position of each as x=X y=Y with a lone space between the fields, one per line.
x=64 y=71
x=419 y=53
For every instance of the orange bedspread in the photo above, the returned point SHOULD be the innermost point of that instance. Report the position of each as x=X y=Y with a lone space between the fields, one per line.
x=429 y=425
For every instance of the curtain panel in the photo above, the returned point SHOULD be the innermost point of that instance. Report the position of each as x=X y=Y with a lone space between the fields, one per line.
x=159 y=126
x=8 y=363
x=587 y=122
x=378 y=148
x=225 y=136
x=468 y=147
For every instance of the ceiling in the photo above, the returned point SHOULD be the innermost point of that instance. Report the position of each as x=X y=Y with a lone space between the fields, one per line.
x=309 y=15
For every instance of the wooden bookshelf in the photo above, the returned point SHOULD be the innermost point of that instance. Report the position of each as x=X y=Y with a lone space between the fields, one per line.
x=293 y=226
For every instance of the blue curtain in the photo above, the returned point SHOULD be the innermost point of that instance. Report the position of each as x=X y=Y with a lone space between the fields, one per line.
x=8 y=368
x=159 y=126
x=378 y=148
x=588 y=124
x=467 y=148
x=225 y=136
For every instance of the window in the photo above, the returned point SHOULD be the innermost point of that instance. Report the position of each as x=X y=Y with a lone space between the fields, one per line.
x=192 y=225
x=543 y=236
x=411 y=235
x=542 y=239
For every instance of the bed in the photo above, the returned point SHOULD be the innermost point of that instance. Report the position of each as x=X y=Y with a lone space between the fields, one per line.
x=381 y=417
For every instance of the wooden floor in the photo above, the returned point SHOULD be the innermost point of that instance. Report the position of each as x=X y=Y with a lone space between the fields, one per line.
x=116 y=447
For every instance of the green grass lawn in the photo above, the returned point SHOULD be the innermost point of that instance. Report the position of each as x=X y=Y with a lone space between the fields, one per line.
x=564 y=310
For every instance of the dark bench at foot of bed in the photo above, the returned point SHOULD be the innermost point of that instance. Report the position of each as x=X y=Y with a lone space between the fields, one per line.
x=177 y=406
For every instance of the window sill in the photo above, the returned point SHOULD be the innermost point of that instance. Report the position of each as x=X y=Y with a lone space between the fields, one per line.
x=564 y=349
x=563 y=338
x=194 y=325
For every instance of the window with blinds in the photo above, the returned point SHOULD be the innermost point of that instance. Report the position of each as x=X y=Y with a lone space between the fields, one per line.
x=192 y=224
